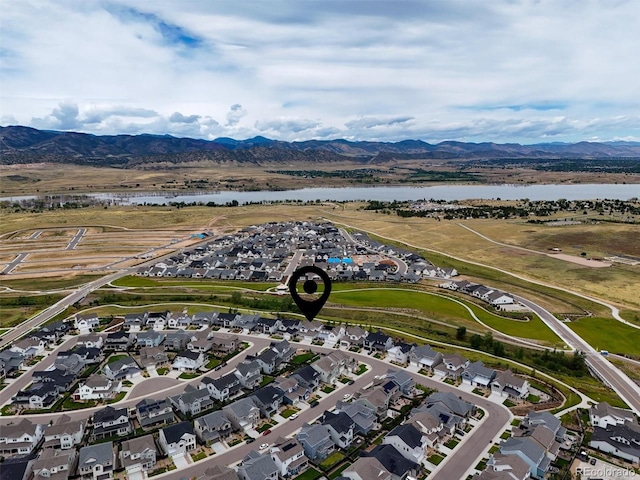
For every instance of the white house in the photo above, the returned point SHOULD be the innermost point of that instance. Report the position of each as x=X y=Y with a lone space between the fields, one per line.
x=20 y=438
x=188 y=361
x=98 y=387
x=508 y=385
x=86 y=323
x=409 y=441
x=178 y=439
x=602 y=415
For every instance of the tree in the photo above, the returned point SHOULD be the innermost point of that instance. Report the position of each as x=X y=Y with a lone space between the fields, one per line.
x=498 y=349
x=236 y=297
x=461 y=332
x=476 y=341
x=488 y=340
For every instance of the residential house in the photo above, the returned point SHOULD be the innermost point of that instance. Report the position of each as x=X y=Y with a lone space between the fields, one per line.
x=497 y=298
x=331 y=334
x=331 y=367
x=341 y=428
x=268 y=399
x=53 y=464
x=149 y=338
x=192 y=401
x=153 y=357
x=38 y=395
x=222 y=388
x=307 y=377
x=157 y=320
x=242 y=413
x=316 y=441
x=409 y=441
x=394 y=462
x=86 y=323
x=451 y=403
x=176 y=341
x=291 y=390
x=213 y=427
x=64 y=433
x=377 y=341
x=430 y=424
x=353 y=336
x=602 y=415
x=204 y=319
x=220 y=472
x=151 y=413
x=96 y=462
x=505 y=467
x=425 y=357
x=403 y=380
x=284 y=350
x=222 y=344
x=138 y=455
x=134 y=322
x=121 y=369
x=550 y=421
x=119 y=341
x=400 y=352
x=111 y=422
x=622 y=441
x=11 y=362
x=509 y=385
x=366 y=468
x=29 y=347
x=188 y=361
x=20 y=438
x=71 y=364
x=452 y=366
x=98 y=387
x=531 y=452
x=288 y=455
x=378 y=397
x=477 y=375
x=257 y=466
x=249 y=374
x=267 y=325
x=178 y=320
x=362 y=414
x=91 y=341
x=177 y=439
x=268 y=361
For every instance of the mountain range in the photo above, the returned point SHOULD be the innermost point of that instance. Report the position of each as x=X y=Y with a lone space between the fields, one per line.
x=19 y=144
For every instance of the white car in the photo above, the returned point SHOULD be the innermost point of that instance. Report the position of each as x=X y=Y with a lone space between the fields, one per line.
x=263 y=446
x=346 y=396
x=293 y=417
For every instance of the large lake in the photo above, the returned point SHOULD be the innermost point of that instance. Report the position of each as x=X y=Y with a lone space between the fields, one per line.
x=400 y=193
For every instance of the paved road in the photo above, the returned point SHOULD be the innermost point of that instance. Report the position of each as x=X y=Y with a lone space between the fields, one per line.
x=496 y=420
x=74 y=242
x=293 y=264
x=35 y=234
x=14 y=263
x=626 y=388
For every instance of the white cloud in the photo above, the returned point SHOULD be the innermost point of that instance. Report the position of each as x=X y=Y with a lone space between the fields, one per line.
x=502 y=71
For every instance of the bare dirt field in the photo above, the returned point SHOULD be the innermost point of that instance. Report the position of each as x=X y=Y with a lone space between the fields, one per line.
x=586 y=262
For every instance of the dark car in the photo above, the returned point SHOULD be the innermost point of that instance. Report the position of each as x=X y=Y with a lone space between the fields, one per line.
x=250 y=440
x=266 y=432
x=315 y=403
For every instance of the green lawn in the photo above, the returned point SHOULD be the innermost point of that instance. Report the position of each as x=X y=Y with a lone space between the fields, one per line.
x=331 y=460
x=508 y=403
x=361 y=369
x=199 y=456
x=288 y=412
x=452 y=443
x=608 y=334
x=213 y=363
x=327 y=389
x=188 y=375
x=439 y=307
x=309 y=474
x=302 y=358
x=118 y=397
x=435 y=459
x=115 y=358
x=162 y=370
x=264 y=427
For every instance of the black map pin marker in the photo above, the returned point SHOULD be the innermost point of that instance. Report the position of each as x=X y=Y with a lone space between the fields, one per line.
x=309 y=308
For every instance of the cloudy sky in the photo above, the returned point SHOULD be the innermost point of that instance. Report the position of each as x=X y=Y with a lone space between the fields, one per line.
x=505 y=71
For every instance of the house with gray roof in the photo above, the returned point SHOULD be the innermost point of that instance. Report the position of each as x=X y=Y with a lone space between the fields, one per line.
x=96 y=462
x=451 y=402
x=249 y=374
x=268 y=361
x=121 y=369
x=533 y=419
x=176 y=341
x=20 y=438
x=268 y=399
x=177 y=439
x=316 y=441
x=366 y=468
x=222 y=344
x=341 y=427
x=220 y=472
x=393 y=461
x=477 y=375
x=153 y=357
x=188 y=361
x=149 y=338
x=510 y=385
x=505 y=467
x=110 y=422
x=622 y=441
x=531 y=452
x=119 y=341
x=289 y=456
x=64 y=433
x=53 y=464
x=409 y=441
x=363 y=415
x=258 y=466
x=192 y=401
x=86 y=323
x=151 y=413
x=452 y=366
x=222 y=388
x=307 y=377
x=242 y=413
x=403 y=380
x=138 y=454
x=213 y=427
x=602 y=415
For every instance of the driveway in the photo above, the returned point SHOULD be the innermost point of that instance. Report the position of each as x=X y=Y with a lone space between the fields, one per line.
x=181 y=461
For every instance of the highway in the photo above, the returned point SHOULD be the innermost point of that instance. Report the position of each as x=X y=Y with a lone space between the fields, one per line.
x=626 y=388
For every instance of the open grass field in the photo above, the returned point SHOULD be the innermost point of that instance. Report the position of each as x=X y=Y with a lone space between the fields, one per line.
x=608 y=334
x=43 y=284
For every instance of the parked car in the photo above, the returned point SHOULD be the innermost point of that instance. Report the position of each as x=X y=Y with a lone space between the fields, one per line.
x=315 y=403
x=266 y=432
x=250 y=440
x=293 y=417
x=263 y=446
